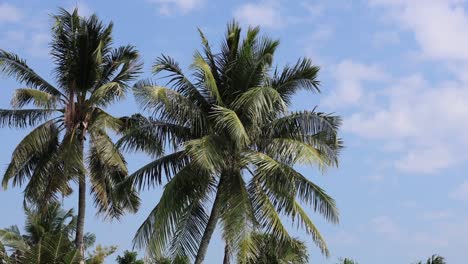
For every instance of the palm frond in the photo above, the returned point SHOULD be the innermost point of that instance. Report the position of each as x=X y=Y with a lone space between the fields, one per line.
x=151 y=173
x=205 y=152
x=21 y=118
x=206 y=79
x=189 y=186
x=12 y=65
x=169 y=105
x=38 y=143
x=227 y=120
x=178 y=80
x=38 y=98
x=303 y=75
x=107 y=169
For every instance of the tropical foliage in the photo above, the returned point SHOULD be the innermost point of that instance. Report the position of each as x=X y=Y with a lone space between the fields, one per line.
x=272 y=251
x=129 y=257
x=48 y=238
x=347 y=261
x=434 y=259
x=225 y=133
x=70 y=142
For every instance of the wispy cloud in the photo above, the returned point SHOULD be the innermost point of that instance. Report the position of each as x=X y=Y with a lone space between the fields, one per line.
x=169 y=7
x=267 y=14
x=10 y=13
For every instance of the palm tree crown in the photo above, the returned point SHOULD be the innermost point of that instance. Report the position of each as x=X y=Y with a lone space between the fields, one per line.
x=225 y=132
x=90 y=75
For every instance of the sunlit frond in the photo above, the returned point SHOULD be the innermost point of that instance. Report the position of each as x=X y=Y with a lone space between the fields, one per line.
x=227 y=120
x=38 y=98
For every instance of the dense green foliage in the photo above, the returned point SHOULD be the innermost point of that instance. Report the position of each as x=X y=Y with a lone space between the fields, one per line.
x=225 y=133
x=129 y=257
x=434 y=259
x=48 y=238
x=272 y=251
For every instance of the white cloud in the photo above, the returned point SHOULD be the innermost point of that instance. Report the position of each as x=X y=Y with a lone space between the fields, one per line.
x=168 y=7
x=461 y=192
x=265 y=14
x=423 y=119
x=439 y=26
x=350 y=77
x=10 y=13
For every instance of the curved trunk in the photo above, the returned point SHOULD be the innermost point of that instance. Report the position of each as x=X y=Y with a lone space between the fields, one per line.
x=209 y=230
x=79 y=243
x=227 y=255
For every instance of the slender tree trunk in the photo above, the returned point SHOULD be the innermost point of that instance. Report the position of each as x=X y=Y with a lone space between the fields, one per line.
x=209 y=230
x=79 y=243
x=227 y=255
x=39 y=251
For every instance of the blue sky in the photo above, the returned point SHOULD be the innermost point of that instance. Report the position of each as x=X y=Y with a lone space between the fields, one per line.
x=396 y=70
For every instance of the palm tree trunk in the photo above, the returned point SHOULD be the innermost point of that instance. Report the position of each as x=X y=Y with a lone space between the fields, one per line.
x=79 y=243
x=227 y=255
x=209 y=230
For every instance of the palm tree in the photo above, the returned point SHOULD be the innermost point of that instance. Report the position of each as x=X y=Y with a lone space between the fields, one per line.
x=272 y=251
x=48 y=238
x=434 y=259
x=90 y=75
x=129 y=257
x=347 y=261
x=227 y=134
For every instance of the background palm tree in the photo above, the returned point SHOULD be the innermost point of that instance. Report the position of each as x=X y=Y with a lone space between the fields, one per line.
x=434 y=259
x=90 y=75
x=48 y=238
x=347 y=261
x=129 y=257
x=272 y=251
x=230 y=136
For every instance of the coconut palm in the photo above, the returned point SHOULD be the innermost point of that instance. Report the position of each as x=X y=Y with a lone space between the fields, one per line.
x=434 y=259
x=48 y=238
x=129 y=257
x=347 y=261
x=272 y=251
x=225 y=132
x=90 y=75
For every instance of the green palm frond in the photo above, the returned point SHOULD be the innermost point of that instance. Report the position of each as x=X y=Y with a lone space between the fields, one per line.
x=305 y=222
x=38 y=98
x=151 y=174
x=11 y=237
x=303 y=75
x=237 y=215
x=12 y=65
x=260 y=103
x=21 y=118
x=227 y=120
x=27 y=154
x=205 y=152
x=304 y=123
x=178 y=80
x=107 y=169
x=187 y=188
x=206 y=78
x=170 y=105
